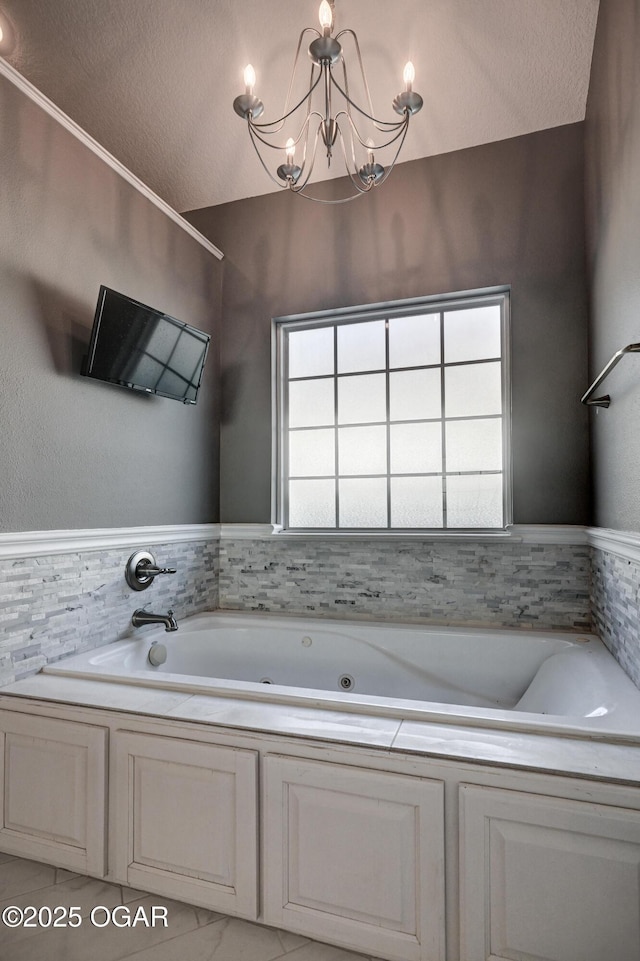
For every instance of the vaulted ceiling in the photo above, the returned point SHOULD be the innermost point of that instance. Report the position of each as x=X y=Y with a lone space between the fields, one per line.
x=153 y=81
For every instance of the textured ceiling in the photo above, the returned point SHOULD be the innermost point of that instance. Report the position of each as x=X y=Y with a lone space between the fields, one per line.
x=153 y=81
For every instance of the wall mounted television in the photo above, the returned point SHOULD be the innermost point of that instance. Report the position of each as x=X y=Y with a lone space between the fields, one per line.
x=141 y=348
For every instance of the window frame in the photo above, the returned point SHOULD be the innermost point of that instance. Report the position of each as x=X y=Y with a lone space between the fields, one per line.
x=493 y=296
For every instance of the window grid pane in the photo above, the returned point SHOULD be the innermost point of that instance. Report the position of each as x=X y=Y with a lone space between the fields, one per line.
x=405 y=454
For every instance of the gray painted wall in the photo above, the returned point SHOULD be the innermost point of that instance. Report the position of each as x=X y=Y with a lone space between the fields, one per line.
x=76 y=453
x=613 y=219
x=505 y=213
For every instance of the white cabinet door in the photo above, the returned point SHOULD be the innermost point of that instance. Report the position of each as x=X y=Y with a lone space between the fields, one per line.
x=547 y=879
x=53 y=791
x=186 y=821
x=355 y=857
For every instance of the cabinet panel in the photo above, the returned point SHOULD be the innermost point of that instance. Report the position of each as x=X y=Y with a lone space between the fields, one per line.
x=186 y=821
x=54 y=791
x=548 y=879
x=355 y=856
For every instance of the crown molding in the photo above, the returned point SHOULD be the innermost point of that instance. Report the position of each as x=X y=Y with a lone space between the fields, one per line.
x=44 y=543
x=624 y=544
x=27 y=88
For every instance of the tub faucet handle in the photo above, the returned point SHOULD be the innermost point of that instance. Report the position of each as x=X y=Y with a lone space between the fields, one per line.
x=149 y=570
x=142 y=568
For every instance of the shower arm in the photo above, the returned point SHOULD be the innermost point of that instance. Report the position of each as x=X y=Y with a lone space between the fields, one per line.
x=605 y=400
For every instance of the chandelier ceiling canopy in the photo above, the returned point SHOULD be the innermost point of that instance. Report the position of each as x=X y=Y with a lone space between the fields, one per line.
x=327 y=114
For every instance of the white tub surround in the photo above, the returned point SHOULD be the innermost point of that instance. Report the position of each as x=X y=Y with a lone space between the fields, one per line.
x=65 y=591
x=504 y=679
x=456 y=837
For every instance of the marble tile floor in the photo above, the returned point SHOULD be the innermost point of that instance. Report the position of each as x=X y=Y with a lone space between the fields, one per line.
x=191 y=933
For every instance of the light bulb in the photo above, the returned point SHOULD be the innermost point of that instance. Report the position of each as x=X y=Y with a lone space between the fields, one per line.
x=290 y=150
x=326 y=17
x=370 y=149
x=408 y=75
x=1 y=33
x=249 y=78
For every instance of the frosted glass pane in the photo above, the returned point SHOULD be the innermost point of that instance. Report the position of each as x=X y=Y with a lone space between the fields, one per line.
x=363 y=502
x=414 y=341
x=310 y=352
x=362 y=450
x=312 y=503
x=311 y=403
x=416 y=448
x=312 y=453
x=414 y=394
x=474 y=501
x=362 y=399
x=361 y=346
x=416 y=502
x=473 y=390
x=474 y=445
x=472 y=334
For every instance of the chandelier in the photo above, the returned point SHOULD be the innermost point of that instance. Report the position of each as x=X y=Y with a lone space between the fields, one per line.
x=326 y=114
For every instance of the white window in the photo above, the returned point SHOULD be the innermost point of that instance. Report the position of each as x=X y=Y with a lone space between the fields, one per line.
x=394 y=418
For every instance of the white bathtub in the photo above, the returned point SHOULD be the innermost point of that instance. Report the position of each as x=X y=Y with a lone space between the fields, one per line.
x=553 y=682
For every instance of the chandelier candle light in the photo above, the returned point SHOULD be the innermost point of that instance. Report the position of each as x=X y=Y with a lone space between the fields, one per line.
x=323 y=121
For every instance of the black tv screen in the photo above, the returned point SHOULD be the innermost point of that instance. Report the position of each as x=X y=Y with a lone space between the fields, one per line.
x=143 y=349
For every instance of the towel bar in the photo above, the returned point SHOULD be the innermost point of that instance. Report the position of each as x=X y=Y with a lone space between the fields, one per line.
x=605 y=400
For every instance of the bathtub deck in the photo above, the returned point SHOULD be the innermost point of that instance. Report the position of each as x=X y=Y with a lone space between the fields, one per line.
x=581 y=756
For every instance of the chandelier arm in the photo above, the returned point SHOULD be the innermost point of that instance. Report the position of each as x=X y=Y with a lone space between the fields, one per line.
x=348 y=95
x=299 y=188
x=353 y=130
x=300 y=184
x=361 y=187
x=347 y=114
x=252 y=137
x=321 y=200
x=379 y=146
x=360 y=61
x=307 y=128
x=385 y=126
x=307 y=124
x=256 y=128
x=281 y=120
x=286 y=112
x=396 y=155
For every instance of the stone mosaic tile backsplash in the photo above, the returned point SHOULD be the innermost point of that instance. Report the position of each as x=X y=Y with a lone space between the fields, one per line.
x=65 y=603
x=615 y=599
x=477 y=584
